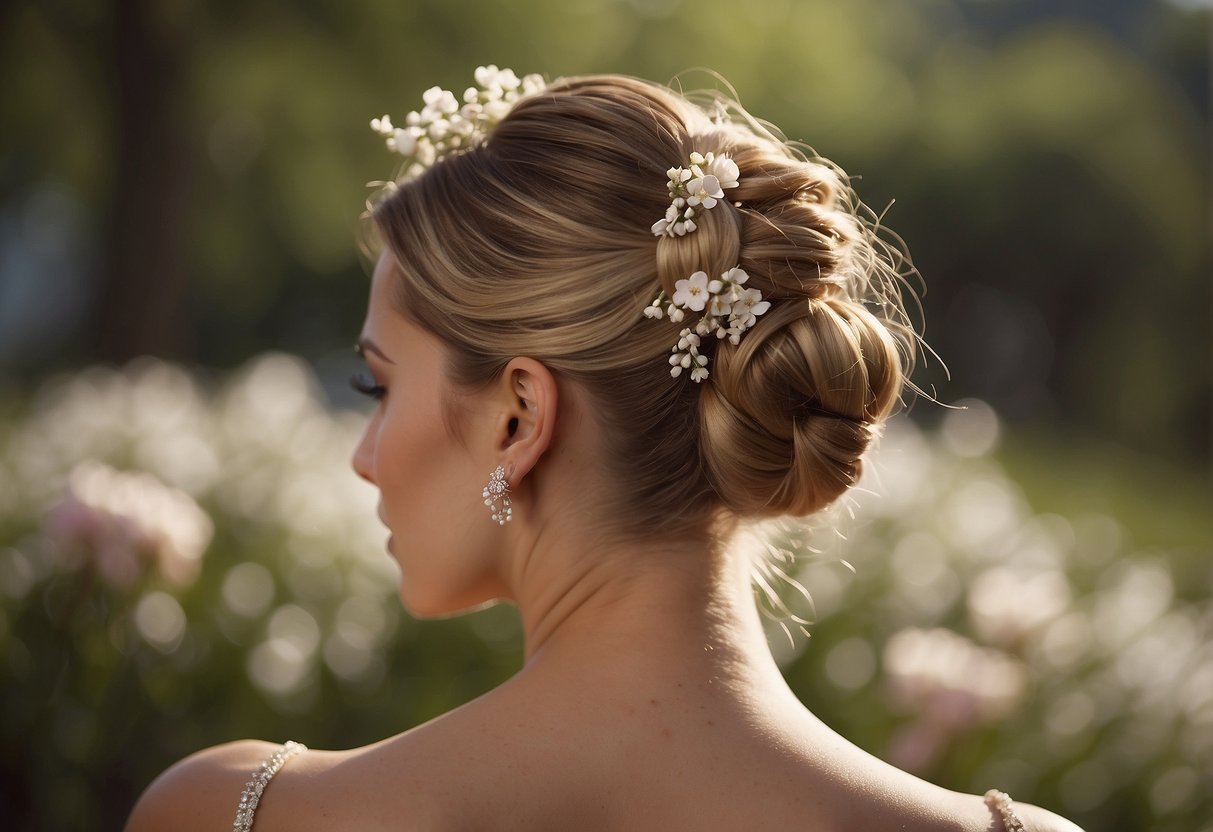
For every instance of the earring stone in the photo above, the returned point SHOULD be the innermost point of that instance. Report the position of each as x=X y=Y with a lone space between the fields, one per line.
x=497 y=497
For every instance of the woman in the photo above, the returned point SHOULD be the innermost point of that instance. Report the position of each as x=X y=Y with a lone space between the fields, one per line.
x=607 y=327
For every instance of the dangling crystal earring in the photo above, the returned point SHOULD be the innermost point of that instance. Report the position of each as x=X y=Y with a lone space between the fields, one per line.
x=498 y=489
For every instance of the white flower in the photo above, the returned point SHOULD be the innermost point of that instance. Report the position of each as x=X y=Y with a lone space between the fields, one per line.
x=748 y=306
x=692 y=293
x=725 y=170
x=735 y=275
x=687 y=339
x=702 y=184
x=719 y=307
x=677 y=177
x=497 y=110
x=440 y=101
x=438 y=129
x=533 y=83
x=730 y=308
x=403 y=142
x=443 y=126
x=507 y=80
x=704 y=190
x=653 y=310
x=486 y=75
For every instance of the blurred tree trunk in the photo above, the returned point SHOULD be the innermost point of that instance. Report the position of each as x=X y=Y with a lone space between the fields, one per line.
x=140 y=308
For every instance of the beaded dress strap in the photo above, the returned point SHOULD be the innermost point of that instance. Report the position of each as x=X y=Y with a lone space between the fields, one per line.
x=251 y=795
x=1000 y=804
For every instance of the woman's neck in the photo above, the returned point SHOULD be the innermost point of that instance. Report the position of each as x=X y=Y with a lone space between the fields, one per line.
x=691 y=608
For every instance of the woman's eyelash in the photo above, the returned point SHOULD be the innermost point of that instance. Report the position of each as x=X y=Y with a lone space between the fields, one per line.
x=366 y=386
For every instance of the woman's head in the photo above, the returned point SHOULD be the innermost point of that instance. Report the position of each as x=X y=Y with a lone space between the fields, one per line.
x=537 y=243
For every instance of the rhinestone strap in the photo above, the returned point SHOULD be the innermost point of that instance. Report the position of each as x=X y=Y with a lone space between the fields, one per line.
x=251 y=795
x=1000 y=804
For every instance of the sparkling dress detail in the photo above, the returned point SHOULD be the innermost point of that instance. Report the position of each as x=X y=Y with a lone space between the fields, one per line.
x=251 y=795
x=1000 y=804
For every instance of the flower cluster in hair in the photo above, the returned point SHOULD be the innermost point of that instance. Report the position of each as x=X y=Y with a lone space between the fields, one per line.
x=444 y=126
x=729 y=310
x=701 y=185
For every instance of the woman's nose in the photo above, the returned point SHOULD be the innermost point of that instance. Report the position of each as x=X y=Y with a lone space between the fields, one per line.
x=364 y=455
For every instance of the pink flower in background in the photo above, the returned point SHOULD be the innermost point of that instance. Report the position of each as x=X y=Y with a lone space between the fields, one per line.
x=127 y=523
x=950 y=685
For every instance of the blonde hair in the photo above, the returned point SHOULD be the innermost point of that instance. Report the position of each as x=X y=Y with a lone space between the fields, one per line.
x=537 y=242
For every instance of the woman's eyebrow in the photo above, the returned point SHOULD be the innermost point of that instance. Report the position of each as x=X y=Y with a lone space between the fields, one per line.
x=366 y=345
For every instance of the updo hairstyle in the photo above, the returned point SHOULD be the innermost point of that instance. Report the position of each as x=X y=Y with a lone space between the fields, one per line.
x=537 y=242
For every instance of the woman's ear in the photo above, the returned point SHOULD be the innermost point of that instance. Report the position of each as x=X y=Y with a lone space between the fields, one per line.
x=526 y=421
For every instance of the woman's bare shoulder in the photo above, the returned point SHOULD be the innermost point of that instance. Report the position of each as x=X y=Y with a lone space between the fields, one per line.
x=201 y=791
x=975 y=814
x=1037 y=819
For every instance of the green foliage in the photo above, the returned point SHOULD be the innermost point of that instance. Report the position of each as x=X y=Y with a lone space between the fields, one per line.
x=1049 y=167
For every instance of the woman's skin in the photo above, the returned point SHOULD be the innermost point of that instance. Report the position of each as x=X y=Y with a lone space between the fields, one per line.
x=648 y=698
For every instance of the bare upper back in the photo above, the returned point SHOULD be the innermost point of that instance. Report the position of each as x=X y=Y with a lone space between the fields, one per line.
x=508 y=762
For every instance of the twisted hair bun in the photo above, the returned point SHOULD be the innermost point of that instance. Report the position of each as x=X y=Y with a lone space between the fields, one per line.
x=792 y=409
x=789 y=412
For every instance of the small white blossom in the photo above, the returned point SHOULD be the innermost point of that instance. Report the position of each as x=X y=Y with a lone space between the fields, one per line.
x=725 y=170
x=440 y=101
x=730 y=308
x=719 y=307
x=692 y=292
x=444 y=125
x=700 y=184
x=704 y=190
x=402 y=142
x=748 y=306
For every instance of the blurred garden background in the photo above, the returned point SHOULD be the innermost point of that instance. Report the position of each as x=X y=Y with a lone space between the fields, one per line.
x=185 y=557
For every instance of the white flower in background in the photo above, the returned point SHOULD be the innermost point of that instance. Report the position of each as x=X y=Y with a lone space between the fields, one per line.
x=127 y=523
x=1006 y=605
